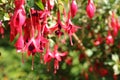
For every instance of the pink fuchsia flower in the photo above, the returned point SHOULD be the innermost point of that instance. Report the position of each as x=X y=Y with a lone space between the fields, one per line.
x=114 y=24
x=48 y=56
x=109 y=39
x=70 y=28
x=31 y=47
x=41 y=42
x=17 y=19
x=73 y=8
x=58 y=26
x=19 y=44
x=90 y=9
x=1 y=29
x=57 y=57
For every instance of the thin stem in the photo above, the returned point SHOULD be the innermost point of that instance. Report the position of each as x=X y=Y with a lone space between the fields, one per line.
x=32 y=32
x=32 y=62
x=79 y=42
x=22 y=58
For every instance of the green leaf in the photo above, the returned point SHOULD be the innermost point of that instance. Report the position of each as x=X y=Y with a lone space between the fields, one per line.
x=30 y=3
x=39 y=4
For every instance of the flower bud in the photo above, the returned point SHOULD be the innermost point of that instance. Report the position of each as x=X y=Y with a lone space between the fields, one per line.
x=90 y=9
x=109 y=39
x=73 y=8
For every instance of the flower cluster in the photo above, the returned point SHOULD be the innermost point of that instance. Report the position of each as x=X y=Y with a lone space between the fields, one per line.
x=33 y=30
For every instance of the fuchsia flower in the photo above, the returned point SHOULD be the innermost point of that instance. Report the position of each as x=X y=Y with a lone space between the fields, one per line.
x=58 y=26
x=19 y=43
x=109 y=39
x=114 y=25
x=57 y=57
x=90 y=9
x=48 y=56
x=70 y=28
x=51 y=4
x=1 y=29
x=40 y=42
x=73 y=8
x=54 y=55
x=31 y=47
x=17 y=19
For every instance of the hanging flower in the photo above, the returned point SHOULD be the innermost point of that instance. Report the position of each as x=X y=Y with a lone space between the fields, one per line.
x=48 y=56
x=73 y=8
x=57 y=57
x=19 y=44
x=58 y=26
x=114 y=24
x=90 y=9
x=17 y=19
x=70 y=28
x=1 y=29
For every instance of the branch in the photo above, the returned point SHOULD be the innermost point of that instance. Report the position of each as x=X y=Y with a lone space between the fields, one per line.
x=79 y=42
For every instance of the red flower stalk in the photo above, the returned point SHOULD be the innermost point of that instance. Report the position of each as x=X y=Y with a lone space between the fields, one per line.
x=51 y=4
x=27 y=30
x=90 y=9
x=109 y=39
x=44 y=24
x=19 y=3
x=73 y=8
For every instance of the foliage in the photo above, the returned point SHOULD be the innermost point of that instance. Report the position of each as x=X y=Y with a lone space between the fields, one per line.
x=93 y=55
